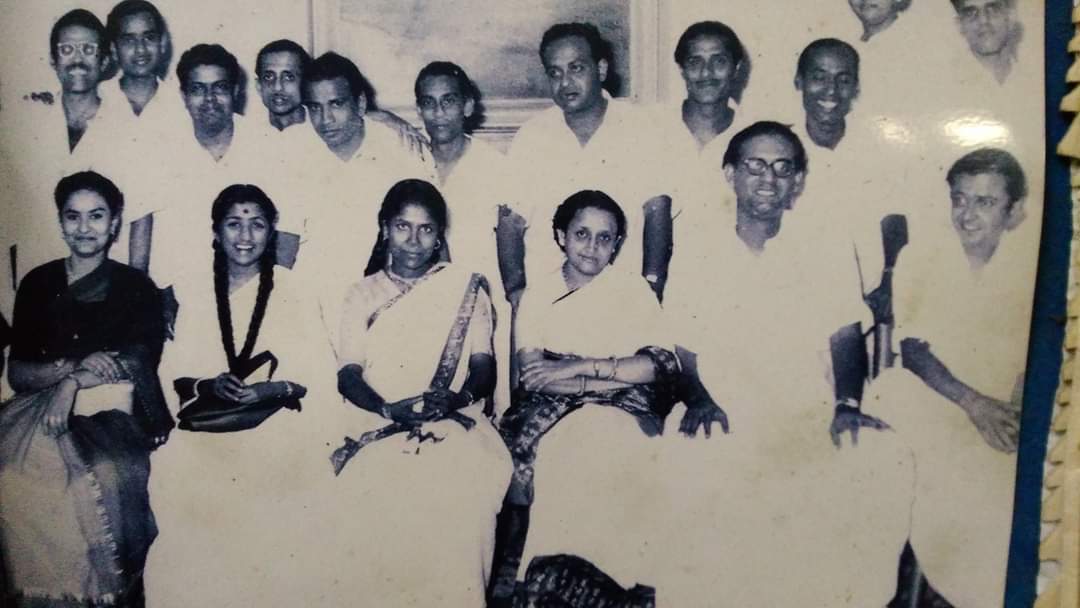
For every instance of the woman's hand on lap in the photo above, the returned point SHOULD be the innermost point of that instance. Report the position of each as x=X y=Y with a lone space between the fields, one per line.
x=103 y=365
x=535 y=375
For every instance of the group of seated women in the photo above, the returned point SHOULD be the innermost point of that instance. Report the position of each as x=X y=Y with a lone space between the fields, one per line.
x=255 y=500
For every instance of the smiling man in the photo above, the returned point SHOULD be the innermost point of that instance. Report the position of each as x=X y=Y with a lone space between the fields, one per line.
x=591 y=141
x=957 y=398
x=992 y=31
x=140 y=45
x=827 y=76
x=760 y=278
x=78 y=54
x=64 y=128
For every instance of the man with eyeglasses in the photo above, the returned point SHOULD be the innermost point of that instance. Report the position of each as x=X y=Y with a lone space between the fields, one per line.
x=992 y=32
x=78 y=54
x=759 y=301
x=61 y=131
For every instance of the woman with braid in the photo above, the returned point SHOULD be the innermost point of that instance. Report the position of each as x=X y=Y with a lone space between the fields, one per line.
x=233 y=506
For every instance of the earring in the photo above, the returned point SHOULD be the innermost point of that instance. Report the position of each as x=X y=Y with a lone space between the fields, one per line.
x=437 y=245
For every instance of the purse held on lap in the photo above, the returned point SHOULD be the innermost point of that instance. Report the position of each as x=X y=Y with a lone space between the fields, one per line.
x=208 y=413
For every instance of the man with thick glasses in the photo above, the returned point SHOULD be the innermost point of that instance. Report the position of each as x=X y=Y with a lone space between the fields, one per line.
x=78 y=55
x=760 y=300
x=61 y=129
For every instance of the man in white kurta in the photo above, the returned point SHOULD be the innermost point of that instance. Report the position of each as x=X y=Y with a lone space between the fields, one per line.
x=963 y=309
x=588 y=141
x=211 y=150
x=51 y=134
x=714 y=68
x=474 y=178
x=757 y=506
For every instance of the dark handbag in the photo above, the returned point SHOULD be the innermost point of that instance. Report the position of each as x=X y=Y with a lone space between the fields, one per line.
x=211 y=414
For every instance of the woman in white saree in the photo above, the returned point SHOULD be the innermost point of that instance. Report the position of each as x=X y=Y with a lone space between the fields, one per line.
x=237 y=509
x=416 y=361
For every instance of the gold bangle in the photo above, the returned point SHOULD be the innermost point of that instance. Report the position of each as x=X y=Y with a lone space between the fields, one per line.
x=583 y=381
x=614 y=368
x=596 y=368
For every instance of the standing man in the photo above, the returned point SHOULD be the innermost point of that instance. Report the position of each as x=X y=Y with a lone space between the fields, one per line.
x=59 y=130
x=214 y=148
x=828 y=78
x=992 y=32
x=77 y=51
x=365 y=160
x=472 y=178
x=141 y=46
x=279 y=68
x=715 y=69
x=591 y=141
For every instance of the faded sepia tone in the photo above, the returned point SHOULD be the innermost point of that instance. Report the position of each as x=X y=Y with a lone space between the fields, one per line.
x=774 y=512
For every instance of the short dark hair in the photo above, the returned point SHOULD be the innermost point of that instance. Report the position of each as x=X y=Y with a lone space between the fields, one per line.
x=127 y=8
x=714 y=29
x=283 y=46
x=996 y=161
x=82 y=18
x=584 y=200
x=598 y=46
x=208 y=54
x=407 y=192
x=329 y=66
x=94 y=182
x=823 y=45
x=465 y=84
x=733 y=154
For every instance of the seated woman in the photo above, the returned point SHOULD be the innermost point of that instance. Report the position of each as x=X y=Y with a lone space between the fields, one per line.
x=416 y=356
x=596 y=380
x=75 y=440
x=235 y=507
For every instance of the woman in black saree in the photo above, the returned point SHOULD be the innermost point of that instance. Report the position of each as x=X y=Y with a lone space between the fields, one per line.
x=75 y=440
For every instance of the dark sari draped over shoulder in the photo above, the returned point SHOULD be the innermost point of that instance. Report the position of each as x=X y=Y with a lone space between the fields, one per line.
x=89 y=545
x=533 y=414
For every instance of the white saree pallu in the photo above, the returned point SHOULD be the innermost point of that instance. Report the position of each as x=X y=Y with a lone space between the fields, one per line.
x=416 y=516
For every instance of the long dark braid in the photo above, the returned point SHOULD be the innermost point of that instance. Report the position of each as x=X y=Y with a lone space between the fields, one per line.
x=226 y=199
